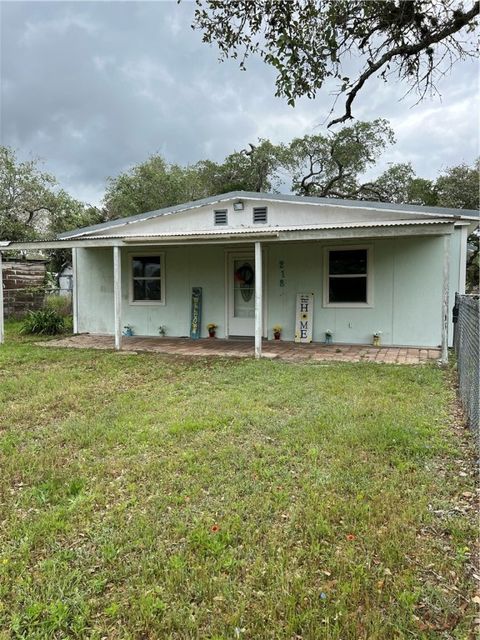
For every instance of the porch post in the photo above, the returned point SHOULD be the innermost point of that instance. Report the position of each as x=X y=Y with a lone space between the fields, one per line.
x=446 y=295
x=117 y=297
x=2 y=326
x=74 y=291
x=258 y=300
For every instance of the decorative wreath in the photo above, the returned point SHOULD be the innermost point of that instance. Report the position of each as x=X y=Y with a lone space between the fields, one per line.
x=245 y=276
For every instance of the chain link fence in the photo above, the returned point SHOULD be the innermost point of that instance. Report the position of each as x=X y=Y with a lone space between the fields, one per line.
x=466 y=318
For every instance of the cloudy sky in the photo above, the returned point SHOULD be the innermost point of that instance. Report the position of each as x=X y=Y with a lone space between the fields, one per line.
x=93 y=88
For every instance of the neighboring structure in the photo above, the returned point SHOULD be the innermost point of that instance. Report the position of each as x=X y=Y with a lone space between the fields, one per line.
x=23 y=285
x=371 y=267
x=65 y=281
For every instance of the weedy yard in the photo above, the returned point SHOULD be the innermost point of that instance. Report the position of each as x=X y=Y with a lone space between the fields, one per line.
x=154 y=497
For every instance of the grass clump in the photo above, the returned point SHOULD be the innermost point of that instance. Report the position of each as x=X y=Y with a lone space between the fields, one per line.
x=43 y=322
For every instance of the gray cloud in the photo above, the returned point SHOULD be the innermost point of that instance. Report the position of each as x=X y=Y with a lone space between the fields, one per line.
x=95 y=87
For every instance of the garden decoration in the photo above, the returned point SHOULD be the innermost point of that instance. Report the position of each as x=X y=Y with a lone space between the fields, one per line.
x=212 y=328
x=128 y=330
x=245 y=276
x=377 y=339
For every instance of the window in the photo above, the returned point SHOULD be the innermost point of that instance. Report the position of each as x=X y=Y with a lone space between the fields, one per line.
x=147 y=279
x=220 y=216
x=347 y=277
x=259 y=215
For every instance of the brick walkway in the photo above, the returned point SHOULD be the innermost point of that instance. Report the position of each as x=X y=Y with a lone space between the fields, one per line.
x=244 y=348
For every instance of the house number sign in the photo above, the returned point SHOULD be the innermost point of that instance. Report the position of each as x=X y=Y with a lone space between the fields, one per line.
x=304 y=317
x=196 y=315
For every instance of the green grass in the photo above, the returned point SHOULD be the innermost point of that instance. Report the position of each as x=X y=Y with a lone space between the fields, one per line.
x=155 y=497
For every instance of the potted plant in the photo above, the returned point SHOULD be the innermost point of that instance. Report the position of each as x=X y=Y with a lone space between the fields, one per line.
x=277 y=331
x=128 y=330
x=377 y=339
x=162 y=330
x=212 y=328
x=328 y=336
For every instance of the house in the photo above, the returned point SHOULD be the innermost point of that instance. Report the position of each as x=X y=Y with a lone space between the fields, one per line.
x=362 y=266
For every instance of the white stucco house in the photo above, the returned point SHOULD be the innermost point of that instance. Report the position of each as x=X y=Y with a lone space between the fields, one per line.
x=365 y=266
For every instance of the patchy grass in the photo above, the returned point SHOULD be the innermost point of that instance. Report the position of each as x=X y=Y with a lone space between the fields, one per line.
x=145 y=496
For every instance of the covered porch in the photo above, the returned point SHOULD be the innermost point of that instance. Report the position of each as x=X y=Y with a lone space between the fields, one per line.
x=242 y=348
x=104 y=278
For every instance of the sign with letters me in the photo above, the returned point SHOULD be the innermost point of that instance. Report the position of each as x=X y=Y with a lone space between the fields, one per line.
x=304 y=317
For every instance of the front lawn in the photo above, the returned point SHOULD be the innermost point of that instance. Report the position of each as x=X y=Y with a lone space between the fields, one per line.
x=151 y=497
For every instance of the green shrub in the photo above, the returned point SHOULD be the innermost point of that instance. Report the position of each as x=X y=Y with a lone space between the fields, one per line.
x=61 y=304
x=43 y=321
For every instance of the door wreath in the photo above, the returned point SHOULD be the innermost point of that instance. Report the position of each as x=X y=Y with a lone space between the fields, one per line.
x=245 y=276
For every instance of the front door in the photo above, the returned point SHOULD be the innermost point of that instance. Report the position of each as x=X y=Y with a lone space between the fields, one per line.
x=241 y=294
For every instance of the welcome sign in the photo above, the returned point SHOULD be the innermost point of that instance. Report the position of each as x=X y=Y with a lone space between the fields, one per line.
x=196 y=315
x=304 y=317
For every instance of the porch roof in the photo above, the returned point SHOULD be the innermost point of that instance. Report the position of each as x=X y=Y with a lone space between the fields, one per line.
x=326 y=231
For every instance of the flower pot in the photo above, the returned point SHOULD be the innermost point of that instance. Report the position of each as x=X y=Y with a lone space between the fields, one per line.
x=328 y=338
x=377 y=341
x=211 y=334
x=276 y=335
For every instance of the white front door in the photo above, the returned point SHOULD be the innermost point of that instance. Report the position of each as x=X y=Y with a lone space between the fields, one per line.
x=241 y=294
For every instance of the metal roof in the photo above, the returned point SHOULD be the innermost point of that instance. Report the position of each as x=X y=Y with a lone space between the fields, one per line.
x=278 y=229
x=436 y=212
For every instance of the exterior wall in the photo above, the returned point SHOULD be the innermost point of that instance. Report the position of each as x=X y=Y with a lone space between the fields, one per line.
x=184 y=268
x=407 y=289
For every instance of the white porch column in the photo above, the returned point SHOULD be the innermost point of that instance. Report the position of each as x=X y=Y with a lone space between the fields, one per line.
x=258 y=300
x=446 y=297
x=117 y=297
x=2 y=325
x=74 y=291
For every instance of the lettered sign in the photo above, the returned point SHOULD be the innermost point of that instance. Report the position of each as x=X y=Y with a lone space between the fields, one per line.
x=304 y=317
x=196 y=317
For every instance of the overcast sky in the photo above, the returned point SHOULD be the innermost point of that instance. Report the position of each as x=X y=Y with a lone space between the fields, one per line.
x=95 y=87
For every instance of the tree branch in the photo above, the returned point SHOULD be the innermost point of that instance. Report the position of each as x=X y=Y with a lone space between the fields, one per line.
x=460 y=21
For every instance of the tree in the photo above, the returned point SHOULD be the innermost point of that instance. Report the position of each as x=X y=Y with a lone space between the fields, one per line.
x=330 y=165
x=459 y=188
x=155 y=183
x=308 y=41
x=31 y=204
x=400 y=185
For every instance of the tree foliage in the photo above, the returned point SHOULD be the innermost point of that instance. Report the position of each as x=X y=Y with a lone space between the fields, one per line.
x=31 y=204
x=308 y=42
x=155 y=183
x=330 y=165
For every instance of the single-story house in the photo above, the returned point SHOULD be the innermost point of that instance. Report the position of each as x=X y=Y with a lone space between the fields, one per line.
x=248 y=261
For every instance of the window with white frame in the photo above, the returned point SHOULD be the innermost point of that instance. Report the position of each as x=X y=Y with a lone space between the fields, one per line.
x=147 y=278
x=347 y=280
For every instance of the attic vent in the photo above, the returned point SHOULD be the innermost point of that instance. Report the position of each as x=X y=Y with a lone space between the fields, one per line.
x=260 y=214
x=220 y=216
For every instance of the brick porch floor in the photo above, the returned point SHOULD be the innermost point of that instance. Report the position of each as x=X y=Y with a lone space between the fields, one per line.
x=244 y=348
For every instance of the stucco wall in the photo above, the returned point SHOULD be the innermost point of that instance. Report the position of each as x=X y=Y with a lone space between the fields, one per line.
x=407 y=290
